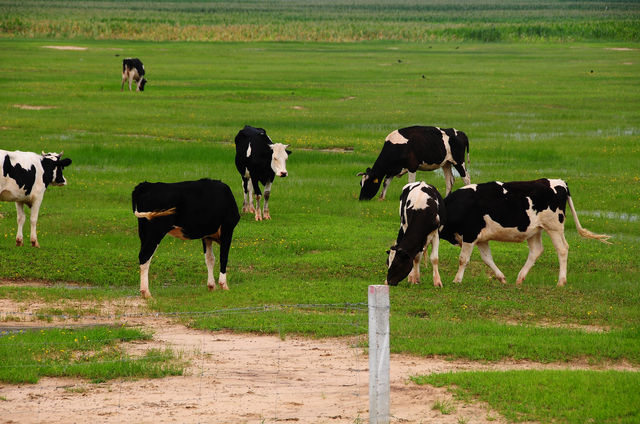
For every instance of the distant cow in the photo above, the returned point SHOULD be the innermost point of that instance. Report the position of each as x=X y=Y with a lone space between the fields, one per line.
x=24 y=179
x=422 y=213
x=133 y=70
x=515 y=212
x=189 y=210
x=414 y=149
x=259 y=160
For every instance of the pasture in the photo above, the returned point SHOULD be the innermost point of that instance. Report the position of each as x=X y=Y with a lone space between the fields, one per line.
x=557 y=110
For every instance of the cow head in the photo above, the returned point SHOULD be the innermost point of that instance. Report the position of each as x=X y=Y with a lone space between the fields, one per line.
x=369 y=185
x=399 y=264
x=279 y=158
x=53 y=166
x=142 y=83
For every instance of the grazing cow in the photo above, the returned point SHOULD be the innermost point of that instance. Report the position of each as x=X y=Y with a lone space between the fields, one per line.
x=422 y=213
x=515 y=212
x=416 y=149
x=189 y=210
x=259 y=160
x=24 y=179
x=133 y=70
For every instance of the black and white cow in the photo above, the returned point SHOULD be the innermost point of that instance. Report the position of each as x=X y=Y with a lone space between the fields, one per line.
x=422 y=213
x=414 y=149
x=189 y=210
x=259 y=160
x=133 y=70
x=514 y=212
x=24 y=179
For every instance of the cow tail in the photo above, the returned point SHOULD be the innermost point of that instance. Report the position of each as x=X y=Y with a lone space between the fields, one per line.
x=154 y=214
x=604 y=238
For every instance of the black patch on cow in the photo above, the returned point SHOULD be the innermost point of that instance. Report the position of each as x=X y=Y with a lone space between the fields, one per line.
x=201 y=209
x=53 y=168
x=259 y=161
x=420 y=223
x=504 y=203
x=25 y=178
x=133 y=63
x=424 y=145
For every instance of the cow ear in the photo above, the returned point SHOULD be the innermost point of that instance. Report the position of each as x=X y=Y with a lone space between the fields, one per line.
x=64 y=162
x=360 y=174
x=288 y=152
x=270 y=146
x=43 y=153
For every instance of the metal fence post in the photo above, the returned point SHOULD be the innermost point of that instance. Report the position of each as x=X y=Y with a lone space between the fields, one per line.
x=379 y=354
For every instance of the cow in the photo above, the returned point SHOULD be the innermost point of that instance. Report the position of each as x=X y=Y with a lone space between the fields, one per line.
x=416 y=148
x=133 y=70
x=188 y=210
x=512 y=212
x=422 y=213
x=24 y=179
x=259 y=160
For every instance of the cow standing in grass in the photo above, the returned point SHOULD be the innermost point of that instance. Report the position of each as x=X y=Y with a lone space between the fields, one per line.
x=25 y=177
x=258 y=161
x=133 y=70
x=189 y=210
x=422 y=213
x=514 y=212
x=414 y=149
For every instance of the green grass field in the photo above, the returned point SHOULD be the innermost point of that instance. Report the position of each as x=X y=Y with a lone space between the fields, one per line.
x=567 y=110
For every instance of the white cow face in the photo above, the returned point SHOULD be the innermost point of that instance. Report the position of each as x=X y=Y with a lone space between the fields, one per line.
x=279 y=158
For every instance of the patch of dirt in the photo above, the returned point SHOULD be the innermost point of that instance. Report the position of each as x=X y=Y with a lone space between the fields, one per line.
x=65 y=48
x=240 y=378
x=34 y=107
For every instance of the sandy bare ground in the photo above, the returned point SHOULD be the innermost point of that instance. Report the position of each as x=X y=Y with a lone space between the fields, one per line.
x=242 y=378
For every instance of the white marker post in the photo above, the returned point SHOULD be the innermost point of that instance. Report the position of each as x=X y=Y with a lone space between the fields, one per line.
x=379 y=354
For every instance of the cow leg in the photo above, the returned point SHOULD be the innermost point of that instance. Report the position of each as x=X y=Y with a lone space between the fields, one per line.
x=130 y=80
x=124 y=79
x=385 y=185
x=257 y=194
x=20 y=218
x=267 y=194
x=485 y=253
x=33 y=222
x=434 y=240
x=247 y=190
x=258 y=212
x=535 y=250
x=210 y=260
x=149 y=240
x=562 y=247
x=448 y=177
x=226 y=235
x=414 y=275
x=465 y=255
x=411 y=178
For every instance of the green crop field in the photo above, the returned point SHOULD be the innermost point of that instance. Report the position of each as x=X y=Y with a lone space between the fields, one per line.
x=559 y=105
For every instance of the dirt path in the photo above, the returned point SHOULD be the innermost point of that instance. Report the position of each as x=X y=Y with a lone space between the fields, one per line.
x=245 y=378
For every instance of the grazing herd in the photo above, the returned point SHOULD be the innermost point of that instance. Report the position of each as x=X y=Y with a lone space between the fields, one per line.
x=206 y=209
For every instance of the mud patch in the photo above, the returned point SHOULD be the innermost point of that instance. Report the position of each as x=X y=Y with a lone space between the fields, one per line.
x=34 y=107
x=75 y=48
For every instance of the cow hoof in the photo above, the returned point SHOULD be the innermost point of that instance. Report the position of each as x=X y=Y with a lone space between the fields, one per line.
x=266 y=216
x=561 y=283
x=145 y=294
x=437 y=284
x=18 y=243
x=35 y=244
x=211 y=287
x=224 y=287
